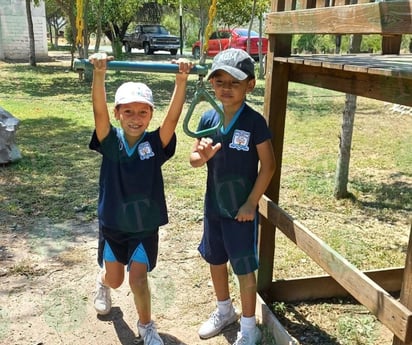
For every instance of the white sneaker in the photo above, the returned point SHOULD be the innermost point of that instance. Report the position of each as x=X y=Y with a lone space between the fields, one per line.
x=149 y=334
x=250 y=338
x=217 y=322
x=102 y=299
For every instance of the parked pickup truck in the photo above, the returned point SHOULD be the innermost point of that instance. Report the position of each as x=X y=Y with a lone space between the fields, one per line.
x=151 y=37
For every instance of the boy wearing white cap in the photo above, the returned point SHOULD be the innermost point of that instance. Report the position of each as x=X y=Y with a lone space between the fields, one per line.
x=240 y=164
x=131 y=204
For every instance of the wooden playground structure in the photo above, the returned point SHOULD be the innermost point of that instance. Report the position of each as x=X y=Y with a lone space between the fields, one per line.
x=386 y=77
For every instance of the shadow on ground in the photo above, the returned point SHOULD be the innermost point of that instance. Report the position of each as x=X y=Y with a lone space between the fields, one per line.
x=126 y=334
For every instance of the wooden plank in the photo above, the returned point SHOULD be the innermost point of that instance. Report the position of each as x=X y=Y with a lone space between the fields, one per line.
x=275 y=113
x=276 y=94
x=315 y=287
x=289 y=5
x=265 y=315
x=391 y=18
x=322 y=3
x=389 y=311
x=303 y=4
x=266 y=254
x=406 y=291
x=314 y=63
x=381 y=87
x=399 y=66
x=392 y=61
x=293 y=59
x=333 y=65
x=368 y=69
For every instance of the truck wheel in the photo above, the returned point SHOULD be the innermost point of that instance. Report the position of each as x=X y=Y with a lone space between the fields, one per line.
x=196 y=52
x=127 y=47
x=173 y=51
x=147 y=50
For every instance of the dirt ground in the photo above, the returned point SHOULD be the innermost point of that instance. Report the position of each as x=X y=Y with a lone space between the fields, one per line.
x=48 y=278
x=47 y=282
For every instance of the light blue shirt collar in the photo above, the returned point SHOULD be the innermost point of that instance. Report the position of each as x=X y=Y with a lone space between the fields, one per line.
x=129 y=150
x=226 y=130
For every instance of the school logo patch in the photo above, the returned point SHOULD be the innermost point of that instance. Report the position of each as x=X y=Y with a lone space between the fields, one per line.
x=240 y=140
x=145 y=150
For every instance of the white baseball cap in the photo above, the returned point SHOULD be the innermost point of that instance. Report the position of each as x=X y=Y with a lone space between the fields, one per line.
x=133 y=92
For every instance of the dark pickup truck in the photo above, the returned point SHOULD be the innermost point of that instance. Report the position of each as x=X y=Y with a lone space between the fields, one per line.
x=151 y=37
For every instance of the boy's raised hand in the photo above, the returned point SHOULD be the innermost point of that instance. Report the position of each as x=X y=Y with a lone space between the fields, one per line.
x=206 y=149
x=99 y=61
x=185 y=66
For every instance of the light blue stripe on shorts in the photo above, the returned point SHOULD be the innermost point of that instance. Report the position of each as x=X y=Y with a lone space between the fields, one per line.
x=139 y=255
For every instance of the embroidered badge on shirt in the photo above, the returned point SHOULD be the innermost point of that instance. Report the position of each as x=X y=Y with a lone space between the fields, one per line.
x=145 y=150
x=240 y=140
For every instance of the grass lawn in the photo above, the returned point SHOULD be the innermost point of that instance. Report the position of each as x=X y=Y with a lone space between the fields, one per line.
x=58 y=174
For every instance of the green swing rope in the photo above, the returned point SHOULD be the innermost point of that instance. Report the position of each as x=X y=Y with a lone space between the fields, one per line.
x=201 y=93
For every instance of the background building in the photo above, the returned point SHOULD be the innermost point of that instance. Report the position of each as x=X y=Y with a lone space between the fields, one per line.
x=14 y=34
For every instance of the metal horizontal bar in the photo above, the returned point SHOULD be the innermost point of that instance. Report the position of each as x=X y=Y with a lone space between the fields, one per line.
x=82 y=64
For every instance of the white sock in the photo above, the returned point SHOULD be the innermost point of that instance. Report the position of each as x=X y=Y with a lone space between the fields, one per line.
x=224 y=306
x=142 y=328
x=99 y=278
x=247 y=324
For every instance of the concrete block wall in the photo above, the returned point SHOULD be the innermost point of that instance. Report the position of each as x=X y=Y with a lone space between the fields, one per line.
x=14 y=36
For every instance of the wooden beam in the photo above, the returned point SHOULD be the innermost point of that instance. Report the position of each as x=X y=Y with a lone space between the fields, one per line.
x=389 y=18
x=265 y=315
x=383 y=87
x=266 y=253
x=389 y=311
x=316 y=287
x=275 y=113
x=406 y=291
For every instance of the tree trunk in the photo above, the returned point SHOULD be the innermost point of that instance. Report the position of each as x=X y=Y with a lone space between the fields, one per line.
x=250 y=26
x=348 y=119
x=86 y=40
x=56 y=37
x=51 y=35
x=342 y=169
x=355 y=43
x=32 y=50
x=99 y=26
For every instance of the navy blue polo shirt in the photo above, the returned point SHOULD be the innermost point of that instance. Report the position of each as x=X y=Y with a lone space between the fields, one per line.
x=131 y=188
x=232 y=172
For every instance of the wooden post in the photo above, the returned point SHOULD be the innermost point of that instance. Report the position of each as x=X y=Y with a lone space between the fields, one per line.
x=406 y=290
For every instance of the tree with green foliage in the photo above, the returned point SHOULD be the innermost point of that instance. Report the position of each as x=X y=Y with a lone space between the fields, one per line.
x=232 y=13
x=55 y=20
x=115 y=16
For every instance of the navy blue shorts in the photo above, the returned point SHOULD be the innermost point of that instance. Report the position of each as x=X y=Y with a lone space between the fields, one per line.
x=123 y=246
x=227 y=239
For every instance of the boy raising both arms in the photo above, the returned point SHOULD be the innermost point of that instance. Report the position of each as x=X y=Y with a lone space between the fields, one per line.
x=132 y=204
x=240 y=164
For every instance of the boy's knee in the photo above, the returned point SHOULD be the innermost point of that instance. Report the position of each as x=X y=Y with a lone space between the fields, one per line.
x=114 y=283
x=138 y=283
x=247 y=282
